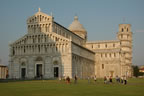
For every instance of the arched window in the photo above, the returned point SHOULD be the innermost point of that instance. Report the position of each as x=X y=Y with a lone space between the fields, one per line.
x=45 y=39
x=92 y=46
x=32 y=20
x=33 y=40
x=113 y=45
x=23 y=64
x=39 y=48
x=55 y=62
x=106 y=45
x=127 y=29
x=56 y=49
x=46 y=27
x=38 y=39
x=34 y=28
x=110 y=55
x=114 y=54
x=40 y=29
x=127 y=36
x=98 y=46
x=24 y=49
x=13 y=51
x=40 y=17
x=45 y=47
x=122 y=29
x=121 y=36
x=102 y=66
x=105 y=54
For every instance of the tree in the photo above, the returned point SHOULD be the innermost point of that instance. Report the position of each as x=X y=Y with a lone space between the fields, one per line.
x=135 y=71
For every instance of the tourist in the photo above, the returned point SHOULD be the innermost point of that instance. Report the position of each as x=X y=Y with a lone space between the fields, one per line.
x=117 y=79
x=60 y=78
x=41 y=76
x=88 y=79
x=95 y=78
x=125 y=80
x=75 y=79
x=68 y=80
x=7 y=75
x=64 y=77
x=105 y=80
x=110 y=79
x=122 y=79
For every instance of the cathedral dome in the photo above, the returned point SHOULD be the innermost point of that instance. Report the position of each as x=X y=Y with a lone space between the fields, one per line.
x=76 y=26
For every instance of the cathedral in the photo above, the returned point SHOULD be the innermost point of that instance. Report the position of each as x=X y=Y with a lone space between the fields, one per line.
x=49 y=50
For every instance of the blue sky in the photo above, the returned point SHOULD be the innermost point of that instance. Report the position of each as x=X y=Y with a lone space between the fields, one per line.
x=99 y=17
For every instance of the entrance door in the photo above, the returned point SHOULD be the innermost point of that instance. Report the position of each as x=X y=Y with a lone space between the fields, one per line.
x=56 y=72
x=111 y=73
x=23 y=72
x=39 y=70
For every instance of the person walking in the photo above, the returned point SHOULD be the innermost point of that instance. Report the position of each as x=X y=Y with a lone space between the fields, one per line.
x=117 y=79
x=95 y=78
x=125 y=80
x=105 y=80
x=68 y=80
x=110 y=79
x=122 y=80
x=75 y=79
x=88 y=79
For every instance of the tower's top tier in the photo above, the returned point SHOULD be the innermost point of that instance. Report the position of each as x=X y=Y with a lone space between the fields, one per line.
x=124 y=27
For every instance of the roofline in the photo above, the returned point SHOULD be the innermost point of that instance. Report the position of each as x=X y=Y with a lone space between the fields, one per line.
x=68 y=30
x=83 y=47
x=107 y=51
x=1 y=65
x=103 y=41
x=37 y=13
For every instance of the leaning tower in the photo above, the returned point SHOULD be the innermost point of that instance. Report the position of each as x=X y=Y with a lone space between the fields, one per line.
x=125 y=37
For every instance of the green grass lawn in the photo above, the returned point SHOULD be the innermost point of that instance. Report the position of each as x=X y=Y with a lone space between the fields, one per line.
x=135 y=87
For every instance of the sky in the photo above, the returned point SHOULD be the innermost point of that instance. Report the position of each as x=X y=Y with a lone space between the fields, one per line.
x=99 y=17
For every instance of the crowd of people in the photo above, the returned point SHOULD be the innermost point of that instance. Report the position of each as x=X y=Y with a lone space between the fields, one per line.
x=122 y=80
x=107 y=79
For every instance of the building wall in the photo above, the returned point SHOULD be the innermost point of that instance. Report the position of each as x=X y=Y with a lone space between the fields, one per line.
x=103 y=45
x=114 y=57
x=108 y=64
x=3 y=72
x=83 y=62
x=59 y=52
